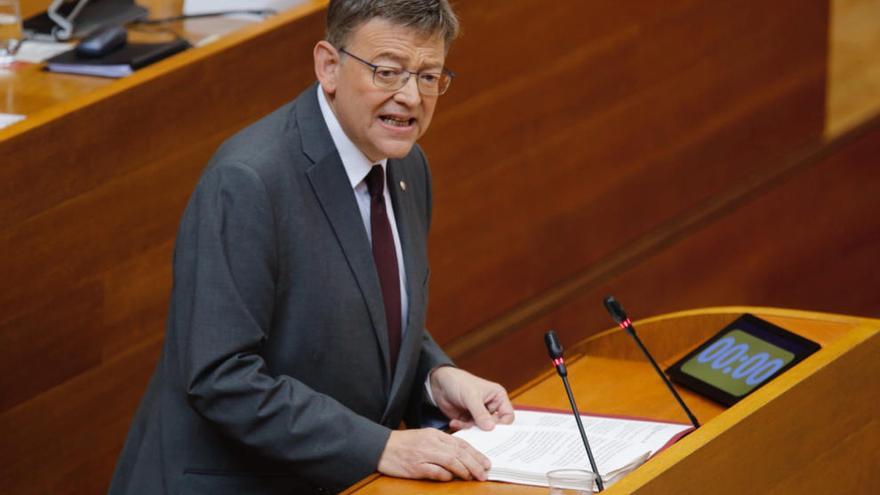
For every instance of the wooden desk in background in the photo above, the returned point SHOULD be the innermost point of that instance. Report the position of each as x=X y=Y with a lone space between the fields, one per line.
x=814 y=429
x=42 y=96
x=92 y=185
x=559 y=110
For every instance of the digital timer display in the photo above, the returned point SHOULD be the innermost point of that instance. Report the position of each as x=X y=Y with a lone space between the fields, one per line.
x=740 y=358
x=737 y=362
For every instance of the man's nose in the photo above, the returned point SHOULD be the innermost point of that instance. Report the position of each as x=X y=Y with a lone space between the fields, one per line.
x=409 y=93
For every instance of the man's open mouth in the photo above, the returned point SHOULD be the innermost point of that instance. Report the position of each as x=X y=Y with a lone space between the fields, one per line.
x=397 y=121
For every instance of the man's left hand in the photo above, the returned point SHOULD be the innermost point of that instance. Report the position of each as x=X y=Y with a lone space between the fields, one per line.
x=467 y=399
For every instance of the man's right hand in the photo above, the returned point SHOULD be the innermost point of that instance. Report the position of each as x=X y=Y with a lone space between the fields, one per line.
x=431 y=454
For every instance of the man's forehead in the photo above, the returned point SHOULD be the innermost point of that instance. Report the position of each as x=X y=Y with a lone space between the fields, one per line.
x=379 y=32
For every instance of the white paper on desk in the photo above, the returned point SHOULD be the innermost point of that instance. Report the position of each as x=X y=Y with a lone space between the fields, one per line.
x=204 y=6
x=645 y=433
x=35 y=52
x=7 y=119
x=538 y=442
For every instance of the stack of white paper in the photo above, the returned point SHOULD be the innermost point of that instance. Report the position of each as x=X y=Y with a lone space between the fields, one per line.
x=35 y=51
x=538 y=442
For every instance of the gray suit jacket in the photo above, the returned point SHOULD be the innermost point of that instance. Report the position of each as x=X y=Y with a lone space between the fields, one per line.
x=274 y=376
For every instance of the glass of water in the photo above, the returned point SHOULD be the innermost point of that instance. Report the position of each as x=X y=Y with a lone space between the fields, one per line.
x=10 y=30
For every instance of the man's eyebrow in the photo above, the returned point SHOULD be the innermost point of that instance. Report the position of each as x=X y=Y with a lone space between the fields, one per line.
x=403 y=61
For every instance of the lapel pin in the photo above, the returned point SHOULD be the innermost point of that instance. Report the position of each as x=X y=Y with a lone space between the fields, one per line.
x=403 y=186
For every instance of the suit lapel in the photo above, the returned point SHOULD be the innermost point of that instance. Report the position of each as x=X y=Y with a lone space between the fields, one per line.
x=333 y=190
x=413 y=248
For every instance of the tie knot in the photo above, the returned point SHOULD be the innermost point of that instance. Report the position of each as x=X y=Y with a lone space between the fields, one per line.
x=376 y=182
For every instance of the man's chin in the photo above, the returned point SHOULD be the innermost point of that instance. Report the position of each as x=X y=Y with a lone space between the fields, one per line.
x=396 y=150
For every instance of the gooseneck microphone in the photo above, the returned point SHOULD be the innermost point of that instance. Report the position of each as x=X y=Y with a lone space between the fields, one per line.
x=616 y=311
x=554 y=348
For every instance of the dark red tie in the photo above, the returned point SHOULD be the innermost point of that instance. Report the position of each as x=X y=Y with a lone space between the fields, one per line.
x=385 y=257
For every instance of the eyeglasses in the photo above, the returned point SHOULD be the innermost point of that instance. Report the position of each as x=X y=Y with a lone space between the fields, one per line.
x=394 y=78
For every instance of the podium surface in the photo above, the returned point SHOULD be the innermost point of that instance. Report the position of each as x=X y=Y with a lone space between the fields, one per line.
x=816 y=425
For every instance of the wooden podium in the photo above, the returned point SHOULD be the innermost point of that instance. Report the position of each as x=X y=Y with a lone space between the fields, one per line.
x=814 y=429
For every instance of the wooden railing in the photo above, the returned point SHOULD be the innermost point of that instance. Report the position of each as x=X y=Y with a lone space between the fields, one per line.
x=667 y=152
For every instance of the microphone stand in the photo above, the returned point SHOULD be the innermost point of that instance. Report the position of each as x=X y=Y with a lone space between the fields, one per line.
x=555 y=350
x=619 y=315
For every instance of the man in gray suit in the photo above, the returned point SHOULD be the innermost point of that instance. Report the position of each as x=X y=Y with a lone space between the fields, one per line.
x=296 y=342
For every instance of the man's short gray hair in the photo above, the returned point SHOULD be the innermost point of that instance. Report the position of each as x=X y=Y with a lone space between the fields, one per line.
x=426 y=16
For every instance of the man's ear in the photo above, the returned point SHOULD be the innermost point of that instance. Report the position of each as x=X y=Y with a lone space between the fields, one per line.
x=326 y=65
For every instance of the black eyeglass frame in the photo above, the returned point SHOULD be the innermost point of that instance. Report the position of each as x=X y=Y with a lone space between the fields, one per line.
x=440 y=90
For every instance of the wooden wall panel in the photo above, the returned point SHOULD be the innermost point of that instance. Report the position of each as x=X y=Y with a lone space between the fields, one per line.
x=53 y=343
x=810 y=239
x=574 y=130
x=67 y=439
x=597 y=125
x=136 y=300
x=90 y=200
x=806 y=239
x=116 y=143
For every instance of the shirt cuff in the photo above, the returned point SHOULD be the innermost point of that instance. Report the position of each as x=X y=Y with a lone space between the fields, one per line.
x=428 y=391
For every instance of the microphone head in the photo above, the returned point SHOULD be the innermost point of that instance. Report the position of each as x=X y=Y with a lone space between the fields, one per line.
x=615 y=309
x=554 y=348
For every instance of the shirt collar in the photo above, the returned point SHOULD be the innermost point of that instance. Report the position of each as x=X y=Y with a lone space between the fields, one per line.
x=356 y=164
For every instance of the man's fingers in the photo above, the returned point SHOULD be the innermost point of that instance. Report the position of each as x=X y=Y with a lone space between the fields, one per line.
x=455 y=465
x=473 y=469
x=475 y=454
x=472 y=463
x=431 y=454
x=482 y=417
x=505 y=418
x=434 y=472
x=467 y=399
x=503 y=409
x=460 y=424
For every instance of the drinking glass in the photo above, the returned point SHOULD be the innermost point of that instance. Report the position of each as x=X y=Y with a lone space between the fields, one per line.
x=10 y=30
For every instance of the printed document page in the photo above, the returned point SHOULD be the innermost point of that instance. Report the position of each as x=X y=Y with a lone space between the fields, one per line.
x=538 y=442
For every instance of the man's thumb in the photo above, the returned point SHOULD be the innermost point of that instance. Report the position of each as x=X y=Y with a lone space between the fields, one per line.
x=481 y=415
